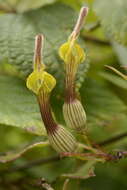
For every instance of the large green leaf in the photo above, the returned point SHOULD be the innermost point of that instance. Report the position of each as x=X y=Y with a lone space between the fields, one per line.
x=18 y=106
x=105 y=110
x=113 y=16
x=100 y=102
x=17 y=33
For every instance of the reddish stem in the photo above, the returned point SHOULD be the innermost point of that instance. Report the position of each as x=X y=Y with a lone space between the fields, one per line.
x=46 y=112
x=70 y=93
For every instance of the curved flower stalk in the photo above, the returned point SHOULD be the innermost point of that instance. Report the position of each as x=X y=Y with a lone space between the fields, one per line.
x=72 y=55
x=118 y=72
x=42 y=83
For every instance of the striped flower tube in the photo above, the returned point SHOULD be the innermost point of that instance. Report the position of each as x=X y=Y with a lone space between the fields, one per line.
x=72 y=55
x=42 y=83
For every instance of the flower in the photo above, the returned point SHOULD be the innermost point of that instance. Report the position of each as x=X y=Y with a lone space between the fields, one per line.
x=40 y=80
x=72 y=55
x=42 y=84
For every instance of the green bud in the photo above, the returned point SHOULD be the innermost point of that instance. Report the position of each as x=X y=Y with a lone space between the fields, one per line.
x=62 y=140
x=74 y=115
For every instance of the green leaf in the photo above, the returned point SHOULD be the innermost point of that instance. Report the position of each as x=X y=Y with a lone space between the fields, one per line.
x=73 y=3
x=19 y=106
x=114 y=79
x=23 y=5
x=113 y=16
x=100 y=103
x=12 y=155
x=17 y=34
x=83 y=172
x=121 y=52
x=104 y=110
x=117 y=84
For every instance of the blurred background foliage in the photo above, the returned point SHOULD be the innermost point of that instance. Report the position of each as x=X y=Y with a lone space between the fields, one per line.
x=104 y=94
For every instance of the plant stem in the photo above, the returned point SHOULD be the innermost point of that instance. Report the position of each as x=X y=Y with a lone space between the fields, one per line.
x=35 y=163
x=101 y=156
x=95 y=40
x=112 y=139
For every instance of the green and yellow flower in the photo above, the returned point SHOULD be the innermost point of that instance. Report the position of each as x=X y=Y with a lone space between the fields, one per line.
x=73 y=55
x=42 y=83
